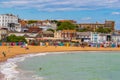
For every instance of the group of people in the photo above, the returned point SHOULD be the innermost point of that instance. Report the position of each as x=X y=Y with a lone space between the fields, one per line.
x=75 y=44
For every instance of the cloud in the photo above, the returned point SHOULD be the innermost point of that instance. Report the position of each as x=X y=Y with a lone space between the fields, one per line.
x=116 y=13
x=60 y=5
x=86 y=18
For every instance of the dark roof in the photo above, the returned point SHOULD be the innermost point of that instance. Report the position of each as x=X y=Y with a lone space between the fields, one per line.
x=34 y=29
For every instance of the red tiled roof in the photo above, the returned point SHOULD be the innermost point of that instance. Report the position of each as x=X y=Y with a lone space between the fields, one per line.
x=34 y=29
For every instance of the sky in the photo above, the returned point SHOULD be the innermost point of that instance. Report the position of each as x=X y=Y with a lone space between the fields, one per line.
x=82 y=11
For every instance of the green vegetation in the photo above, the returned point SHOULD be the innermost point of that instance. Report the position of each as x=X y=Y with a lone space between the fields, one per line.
x=59 y=23
x=50 y=30
x=66 y=26
x=32 y=21
x=13 y=38
x=103 y=30
x=55 y=21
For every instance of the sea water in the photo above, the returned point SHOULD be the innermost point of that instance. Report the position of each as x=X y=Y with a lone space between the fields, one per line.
x=64 y=66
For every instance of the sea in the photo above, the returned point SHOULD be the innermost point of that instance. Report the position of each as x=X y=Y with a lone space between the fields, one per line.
x=77 y=65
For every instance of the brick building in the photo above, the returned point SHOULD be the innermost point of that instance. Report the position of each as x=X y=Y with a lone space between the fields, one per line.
x=94 y=26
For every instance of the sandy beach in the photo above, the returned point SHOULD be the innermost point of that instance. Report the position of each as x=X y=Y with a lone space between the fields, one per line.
x=17 y=50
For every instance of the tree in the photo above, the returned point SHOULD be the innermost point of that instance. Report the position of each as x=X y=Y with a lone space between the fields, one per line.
x=59 y=23
x=54 y=21
x=50 y=30
x=32 y=21
x=107 y=30
x=89 y=28
x=103 y=30
x=13 y=38
x=66 y=26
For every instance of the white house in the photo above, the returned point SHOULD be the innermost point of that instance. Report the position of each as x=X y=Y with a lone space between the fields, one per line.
x=83 y=36
x=102 y=37
x=10 y=22
x=116 y=37
x=95 y=38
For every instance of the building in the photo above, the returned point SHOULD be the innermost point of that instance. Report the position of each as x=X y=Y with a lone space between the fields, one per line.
x=68 y=34
x=94 y=26
x=102 y=37
x=47 y=34
x=8 y=21
x=14 y=27
x=34 y=29
x=117 y=31
x=95 y=38
x=44 y=25
x=28 y=36
x=115 y=37
x=24 y=27
x=83 y=36
x=3 y=34
x=110 y=24
x=57 y=34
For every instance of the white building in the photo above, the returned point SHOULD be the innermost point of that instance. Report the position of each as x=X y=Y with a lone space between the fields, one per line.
x=83 y=36
x=9 y=21
x=116 y=37
x=102 y=37
x=95 y=38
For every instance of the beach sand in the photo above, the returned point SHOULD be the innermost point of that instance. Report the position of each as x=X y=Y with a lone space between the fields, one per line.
x=17 y=50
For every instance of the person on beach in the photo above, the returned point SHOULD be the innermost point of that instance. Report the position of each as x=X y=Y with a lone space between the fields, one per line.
x=26 y=48
x=4 y=54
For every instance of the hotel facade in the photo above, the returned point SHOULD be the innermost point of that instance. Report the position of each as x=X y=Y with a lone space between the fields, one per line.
x=9 y=21
x=94 y=26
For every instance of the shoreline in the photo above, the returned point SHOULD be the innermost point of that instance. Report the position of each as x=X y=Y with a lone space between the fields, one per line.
x=16 y=51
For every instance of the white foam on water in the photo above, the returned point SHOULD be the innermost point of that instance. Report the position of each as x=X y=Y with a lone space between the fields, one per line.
x=37 y=77
x=9 y=70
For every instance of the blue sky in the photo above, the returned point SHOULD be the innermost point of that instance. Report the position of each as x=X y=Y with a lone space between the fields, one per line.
x=82 y=11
